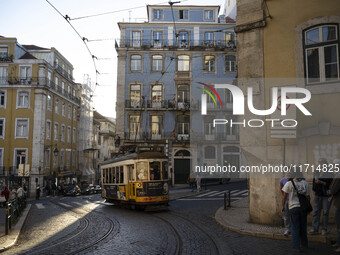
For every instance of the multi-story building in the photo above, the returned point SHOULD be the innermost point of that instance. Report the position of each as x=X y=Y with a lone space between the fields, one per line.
x=302 y=51
x=38 y=115
x=160 y=63
x=104 y=140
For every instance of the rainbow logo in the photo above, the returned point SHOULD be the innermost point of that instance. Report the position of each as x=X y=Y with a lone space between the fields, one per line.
x=209 y=93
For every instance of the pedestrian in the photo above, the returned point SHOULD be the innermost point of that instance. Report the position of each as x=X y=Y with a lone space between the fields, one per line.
x=191 y=181
x=335 y=192
x=285 y=214
x=298 y=218
x=5 y=193
x=198 y=183
x=37 y=194
x=321 y=183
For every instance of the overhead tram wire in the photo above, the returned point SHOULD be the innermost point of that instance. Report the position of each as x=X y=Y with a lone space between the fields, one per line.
x=93 y=57
x=111 y=12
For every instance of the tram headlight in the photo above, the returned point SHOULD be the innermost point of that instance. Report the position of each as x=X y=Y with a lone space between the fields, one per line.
x=165 y=188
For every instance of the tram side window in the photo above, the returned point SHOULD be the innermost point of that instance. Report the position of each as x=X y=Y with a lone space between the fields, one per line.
x=108 y=176
x=142 y=171
x=114 y=175
x=131 y=174
x=121 y=171
x=117 y=174
x=103 y=175
x=155 y=170
x=165 y=170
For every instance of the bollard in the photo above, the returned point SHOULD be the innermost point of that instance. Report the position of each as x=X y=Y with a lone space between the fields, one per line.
x=225 y=201
x=229 y=199
x=6 y=222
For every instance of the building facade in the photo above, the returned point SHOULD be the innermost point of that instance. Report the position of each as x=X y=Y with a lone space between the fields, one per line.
x=160 y=65
x=38 y=115
x=300 y=50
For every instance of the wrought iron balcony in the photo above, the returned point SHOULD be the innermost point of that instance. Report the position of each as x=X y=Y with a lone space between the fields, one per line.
x=6 y=58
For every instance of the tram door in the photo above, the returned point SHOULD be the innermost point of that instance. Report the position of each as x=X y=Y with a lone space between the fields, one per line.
x=131 y=190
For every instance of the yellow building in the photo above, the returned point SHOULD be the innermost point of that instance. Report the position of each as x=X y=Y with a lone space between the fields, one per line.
x=38 y=115
x=288 y=43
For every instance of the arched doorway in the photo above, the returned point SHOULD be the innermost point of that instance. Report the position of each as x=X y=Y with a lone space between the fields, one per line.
x=182 y=166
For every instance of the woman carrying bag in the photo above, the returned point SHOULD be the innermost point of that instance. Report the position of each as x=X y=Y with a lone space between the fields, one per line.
x=298 y=216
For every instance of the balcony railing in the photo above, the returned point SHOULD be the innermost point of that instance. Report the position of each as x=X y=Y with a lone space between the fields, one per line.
x=63 y=72
x=213 y=136
x=161 y=105
x=36 y=81
x=6 y=58
x=181 y=44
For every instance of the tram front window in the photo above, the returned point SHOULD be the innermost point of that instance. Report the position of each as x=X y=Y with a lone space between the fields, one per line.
x=155 y=170
x=142 y=171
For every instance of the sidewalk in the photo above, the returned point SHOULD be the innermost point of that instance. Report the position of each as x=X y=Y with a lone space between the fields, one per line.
x=7 y=241
x=236 y=218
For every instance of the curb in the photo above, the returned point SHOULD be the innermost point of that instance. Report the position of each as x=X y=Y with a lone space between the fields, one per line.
x=12 y=238
x=311 y=238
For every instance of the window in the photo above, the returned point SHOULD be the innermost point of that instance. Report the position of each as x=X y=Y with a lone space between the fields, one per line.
x=208 y=15
x=135 y=95
x=74 y=114
x=56 y=106
x=69 y=112
x=156 y=93
x=49 y=78
x=155 y=170
x=156 y=127
x=62 y=157
x=62 y=133
x=230 y=39
x=49 y=102
x=136 y=62
x=68 y=158
x=57 y=62
x=209 y=38
x=1 y=158
x=74 y=135
x=208 y=126
x=23 y=99
x=69 y=74
x=48 y=129
x=228 y=96
x=56 y=81
x=230 y=63
x=73 y=157
x=134 y=126
x=47 y=157
x=183 y=14
x=183 y=63
x=21 y=128
x=2 y=99
x=55 y=160
x=68 y=134
x=3 y=53
x=183 y=39
x=74 y=92
x=231 y=131
x=68 y=90
x=3 y=74
x=209 y=152
x=157 y=63
x=183 y=93
x=157 y=38
x=157 y=14
x=62 y=87
x=63 y=109
x=142 y=170
x=136 y=39
x=322 y=54
x=2 y=128
x=20 y=157
x=25 y=74
x=209 y=64
x=55 y=131
x=183 y=122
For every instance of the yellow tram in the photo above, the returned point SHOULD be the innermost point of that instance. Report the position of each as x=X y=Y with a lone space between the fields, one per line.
x=138 y=180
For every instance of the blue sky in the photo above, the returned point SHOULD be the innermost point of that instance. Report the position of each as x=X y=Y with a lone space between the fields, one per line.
x=36 y=22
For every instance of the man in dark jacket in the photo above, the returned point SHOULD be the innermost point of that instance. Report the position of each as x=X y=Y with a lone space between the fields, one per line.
x=321 y=183
x=335 y=192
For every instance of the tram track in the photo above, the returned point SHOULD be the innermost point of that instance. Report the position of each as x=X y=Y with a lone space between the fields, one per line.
x=60 y=244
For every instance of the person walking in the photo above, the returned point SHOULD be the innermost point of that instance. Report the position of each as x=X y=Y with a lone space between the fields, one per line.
x=320 y=202
x=298 y=218
x=191 y=181
x=37 y=194
x=335 y=199
x=5 y=193
x=285 y=214
x=198 y=183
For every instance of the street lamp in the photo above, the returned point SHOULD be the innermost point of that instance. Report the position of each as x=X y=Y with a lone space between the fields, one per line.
x=55 y=152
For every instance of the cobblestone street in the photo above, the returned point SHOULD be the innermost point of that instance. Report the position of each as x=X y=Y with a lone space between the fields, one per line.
x=87 y=225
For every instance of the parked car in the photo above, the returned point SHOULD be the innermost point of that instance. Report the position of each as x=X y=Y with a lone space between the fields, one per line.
x=72 y=191
x=97 y=189
x=87 y=189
